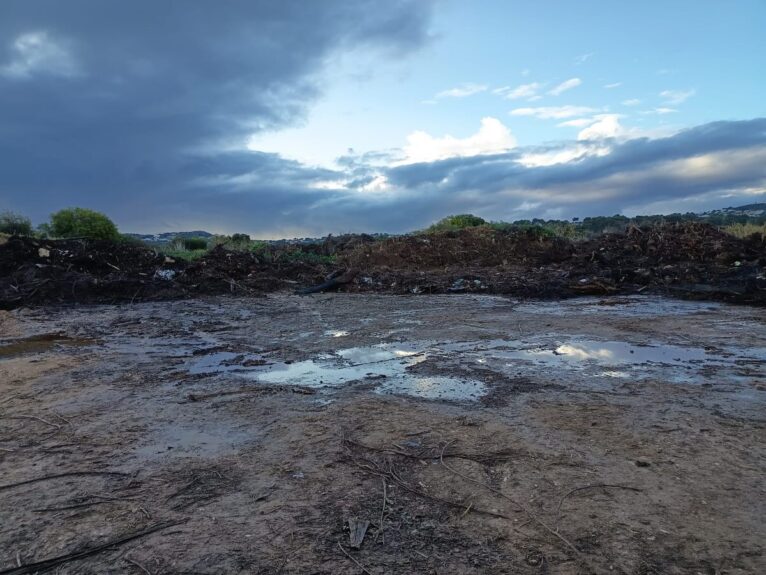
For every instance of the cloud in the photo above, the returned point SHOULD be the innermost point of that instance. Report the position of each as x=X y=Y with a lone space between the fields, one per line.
x=36 y=52
x=717 y=158
x=613 y=86
x=675 y=97
x=577 y=123
x=527 y=91
x=131 y=108
x=493 y=137
x=605 y=126
x=582 y=58
x=661 y=111
x=565 y=85
x=553 y=112
x=463 y=91
x=631 y=102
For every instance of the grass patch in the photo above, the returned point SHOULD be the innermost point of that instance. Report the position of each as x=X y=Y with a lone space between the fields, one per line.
x=185 y=255
x=745 y=230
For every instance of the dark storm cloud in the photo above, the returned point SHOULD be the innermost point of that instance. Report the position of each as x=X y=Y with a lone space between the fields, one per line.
x=109 y=103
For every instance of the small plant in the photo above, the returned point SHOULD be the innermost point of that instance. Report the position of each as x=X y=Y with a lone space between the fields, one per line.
x=182 y=254
x=745 y=230
x=457 y=222
x=15 y=224
x=82 y=223
x=193 y=244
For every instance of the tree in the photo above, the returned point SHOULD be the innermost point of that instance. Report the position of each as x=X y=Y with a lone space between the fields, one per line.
x=82 y=223
x=15 y=224
x=457 y=222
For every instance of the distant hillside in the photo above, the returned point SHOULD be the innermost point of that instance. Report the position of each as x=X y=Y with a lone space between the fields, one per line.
x=747 y=214
x=749 y=210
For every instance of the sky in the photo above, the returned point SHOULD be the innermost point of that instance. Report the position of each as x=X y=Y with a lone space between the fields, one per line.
x=295 y=118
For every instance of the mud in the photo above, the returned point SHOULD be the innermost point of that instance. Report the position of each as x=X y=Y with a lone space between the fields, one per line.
x=476 y=434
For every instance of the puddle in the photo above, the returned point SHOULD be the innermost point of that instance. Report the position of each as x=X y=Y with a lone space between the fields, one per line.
x=630 y=306
x=610 y=353
x=201 y=440
x=572 y=361
x=385 y=366
x=551 y=357
x=336 y=332
x=40 y=344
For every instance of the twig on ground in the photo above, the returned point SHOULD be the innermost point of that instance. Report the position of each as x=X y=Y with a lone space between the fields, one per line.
x=362 y=567
x=67 y=507
x=521 y=506
x=137 y=564
x=34 y=417
x=58 y=475
x=46 y=564
x=382 y=510
x=390 y=474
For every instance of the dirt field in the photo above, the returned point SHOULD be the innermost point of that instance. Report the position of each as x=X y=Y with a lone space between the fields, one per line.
x=467 y=433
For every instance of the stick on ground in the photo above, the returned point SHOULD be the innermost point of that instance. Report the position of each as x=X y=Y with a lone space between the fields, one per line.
x=46 y=564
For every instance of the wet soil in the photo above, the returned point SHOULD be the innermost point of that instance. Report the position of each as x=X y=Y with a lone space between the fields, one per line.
x=468 y=434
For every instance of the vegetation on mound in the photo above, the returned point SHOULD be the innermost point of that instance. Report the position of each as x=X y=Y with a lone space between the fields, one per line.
x=82 y=223
x=14 y=224
x=745 y=230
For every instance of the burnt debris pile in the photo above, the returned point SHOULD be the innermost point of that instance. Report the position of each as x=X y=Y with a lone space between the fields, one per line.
x=684 y=259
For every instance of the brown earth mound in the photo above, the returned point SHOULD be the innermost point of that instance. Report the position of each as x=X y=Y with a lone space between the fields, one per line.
x=687 y=260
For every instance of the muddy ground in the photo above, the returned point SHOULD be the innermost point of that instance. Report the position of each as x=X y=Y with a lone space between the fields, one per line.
x=468 y=433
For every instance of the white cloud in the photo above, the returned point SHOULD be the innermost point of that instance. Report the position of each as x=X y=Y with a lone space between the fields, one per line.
x=493 y=137
x=523 y=91
x=582 y=58
x=525 y=72
x=578 y=123
x=631 y=102
x=38 y=53
x=562 y=156
x=675 y=97
x=605 y=126
x=553 y=112
x=565 y=85
x=612 y=86
x=463 y=91
x=659 y=111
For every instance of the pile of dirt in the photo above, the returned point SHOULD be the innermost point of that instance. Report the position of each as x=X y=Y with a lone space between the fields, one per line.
x=476 y=247
x=684 y=259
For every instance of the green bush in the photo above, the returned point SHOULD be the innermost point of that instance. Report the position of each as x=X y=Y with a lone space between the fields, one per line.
x=193 y=244
x=15 y=224
x=240 y=239
x=457 y=222
x=82 y=223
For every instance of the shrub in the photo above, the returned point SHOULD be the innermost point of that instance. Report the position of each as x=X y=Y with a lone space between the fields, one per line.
x=193 y=244
x=457 y=222
x=240 y=239
x=15 y=224
x=82 y=223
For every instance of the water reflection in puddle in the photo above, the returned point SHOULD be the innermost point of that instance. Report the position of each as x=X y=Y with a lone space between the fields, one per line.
x=40 y=344
x=388 y=367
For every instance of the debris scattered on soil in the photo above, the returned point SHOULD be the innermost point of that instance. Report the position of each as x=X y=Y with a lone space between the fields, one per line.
x=163 y=418
x=684 y=259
